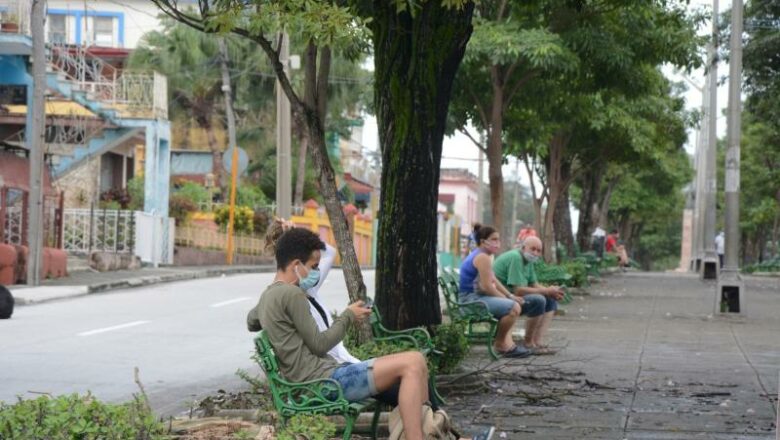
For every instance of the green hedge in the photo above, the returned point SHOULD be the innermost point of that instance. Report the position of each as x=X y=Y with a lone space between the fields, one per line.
x=78 y=417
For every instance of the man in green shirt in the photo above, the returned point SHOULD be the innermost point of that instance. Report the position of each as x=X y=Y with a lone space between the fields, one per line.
x=302 y=350
x=515 y=270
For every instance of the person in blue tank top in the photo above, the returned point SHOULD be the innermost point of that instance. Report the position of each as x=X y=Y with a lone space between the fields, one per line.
x=478 y=283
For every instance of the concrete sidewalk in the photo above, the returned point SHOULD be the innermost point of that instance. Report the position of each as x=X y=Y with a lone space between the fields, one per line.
x=90 y=282
x=643 y=357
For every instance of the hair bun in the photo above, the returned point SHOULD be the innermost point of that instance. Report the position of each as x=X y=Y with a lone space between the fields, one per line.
x=477 y=226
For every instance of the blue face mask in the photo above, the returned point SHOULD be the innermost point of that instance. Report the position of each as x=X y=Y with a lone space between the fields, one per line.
x=531 y=258
x=310 y=281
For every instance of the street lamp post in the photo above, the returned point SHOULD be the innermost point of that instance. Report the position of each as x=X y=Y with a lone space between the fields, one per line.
x=730 y=294
x=710 y=264
x=283 y=154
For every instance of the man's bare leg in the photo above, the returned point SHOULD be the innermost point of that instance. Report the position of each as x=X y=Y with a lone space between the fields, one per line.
x=531 y=326
x=411 y=369
x=541 y=329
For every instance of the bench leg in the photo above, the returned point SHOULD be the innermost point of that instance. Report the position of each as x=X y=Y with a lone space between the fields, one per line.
x=350 y=424
x=375 y=422
x=491 y=336
x=436 y=395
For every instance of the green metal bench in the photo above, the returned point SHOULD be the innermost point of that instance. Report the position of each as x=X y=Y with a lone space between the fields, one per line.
x=481 y=326
x=320 y=396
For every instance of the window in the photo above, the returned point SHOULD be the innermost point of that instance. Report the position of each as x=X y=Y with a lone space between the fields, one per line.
x=104 y=31
x=58 y=33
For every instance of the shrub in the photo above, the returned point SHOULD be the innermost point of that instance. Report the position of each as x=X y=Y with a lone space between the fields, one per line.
x=451 y=339
x=76 y=417
x=252 y=196
x=311 y=427
x=243 y=220
x=115 y=198
x=194 y=192
x=578 y=271
x=135 y=189
x=260 y=221
x=181 y=208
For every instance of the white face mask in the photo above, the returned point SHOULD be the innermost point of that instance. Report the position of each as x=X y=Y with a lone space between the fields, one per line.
x=531 y=258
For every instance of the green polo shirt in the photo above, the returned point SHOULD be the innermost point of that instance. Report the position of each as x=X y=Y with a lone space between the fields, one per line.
x=512 y=270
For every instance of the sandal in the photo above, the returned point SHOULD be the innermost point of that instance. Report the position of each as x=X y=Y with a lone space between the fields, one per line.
x=518 y=351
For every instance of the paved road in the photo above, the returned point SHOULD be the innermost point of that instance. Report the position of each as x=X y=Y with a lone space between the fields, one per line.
x=187 y=338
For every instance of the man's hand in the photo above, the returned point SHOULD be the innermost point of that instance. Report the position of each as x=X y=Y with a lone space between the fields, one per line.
x=360 y=310
x=556 y=292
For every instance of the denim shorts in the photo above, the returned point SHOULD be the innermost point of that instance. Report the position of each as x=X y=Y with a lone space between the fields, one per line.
x=536 y=304
x=357 y=380
x=498 y=307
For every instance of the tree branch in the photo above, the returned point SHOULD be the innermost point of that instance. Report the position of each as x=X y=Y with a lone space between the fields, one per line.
x=476 y=142
x=478 y=104
x=516 y=87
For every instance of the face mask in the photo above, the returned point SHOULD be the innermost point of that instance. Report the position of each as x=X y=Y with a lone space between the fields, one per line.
x=531 y=258
x=311 y=279
x=492 y=246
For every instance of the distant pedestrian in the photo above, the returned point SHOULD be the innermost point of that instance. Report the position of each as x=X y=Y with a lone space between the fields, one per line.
x=597 y=241
x=720 y=246
x=615 y=247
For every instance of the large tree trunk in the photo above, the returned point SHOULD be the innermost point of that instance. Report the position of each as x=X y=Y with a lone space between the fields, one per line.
x=588 y=205
x=557 y=183
x=603 y=219
x=562 y=223
x=415 y=64
x=495 y=154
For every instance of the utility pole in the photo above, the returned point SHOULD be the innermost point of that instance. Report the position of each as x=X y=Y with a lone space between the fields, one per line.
x=231 y=126
x=283 y=155
x=480 y=176
x=697 y=248
x=710 y=264
x=35 y=144
x=730 y=294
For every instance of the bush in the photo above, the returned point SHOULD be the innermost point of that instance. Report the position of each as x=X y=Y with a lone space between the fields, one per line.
x=76 y=417
x=194 y=192
x=311 y=427
x=136 y=190
x=181 y=208
x=260 y=221
x=115 y=198
x=243 y=220
x=451 y=339
x=252 y=196
x=578 y=271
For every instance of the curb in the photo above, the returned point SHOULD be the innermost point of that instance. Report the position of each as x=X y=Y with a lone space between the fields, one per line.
x=69 y=292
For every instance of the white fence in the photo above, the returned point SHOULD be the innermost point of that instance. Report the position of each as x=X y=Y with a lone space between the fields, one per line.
x=148 y=236
x=155 y=238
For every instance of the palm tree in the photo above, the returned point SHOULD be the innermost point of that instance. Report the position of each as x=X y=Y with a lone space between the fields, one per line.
x=190 y=60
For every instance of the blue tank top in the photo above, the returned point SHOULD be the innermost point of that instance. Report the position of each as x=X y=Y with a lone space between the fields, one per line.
x=469 y=275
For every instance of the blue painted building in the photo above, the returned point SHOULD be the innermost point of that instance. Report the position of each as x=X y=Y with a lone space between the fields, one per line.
x=98 y=133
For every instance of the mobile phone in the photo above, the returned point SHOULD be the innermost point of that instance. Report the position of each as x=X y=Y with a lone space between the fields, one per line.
x=369 y=303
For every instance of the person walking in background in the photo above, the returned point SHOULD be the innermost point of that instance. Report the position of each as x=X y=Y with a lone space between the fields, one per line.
x=615 y=247
x=720 y=246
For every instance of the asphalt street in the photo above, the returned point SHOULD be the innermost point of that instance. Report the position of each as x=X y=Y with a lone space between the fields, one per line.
x=187 y=338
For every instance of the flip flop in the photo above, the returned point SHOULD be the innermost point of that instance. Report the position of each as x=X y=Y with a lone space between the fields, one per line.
x=518 y=351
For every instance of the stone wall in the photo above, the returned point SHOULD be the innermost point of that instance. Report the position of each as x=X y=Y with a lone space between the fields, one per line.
x=81 y=185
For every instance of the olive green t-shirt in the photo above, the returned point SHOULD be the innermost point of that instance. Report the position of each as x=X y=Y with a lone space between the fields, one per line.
x=512 y=270
x=300 y=347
